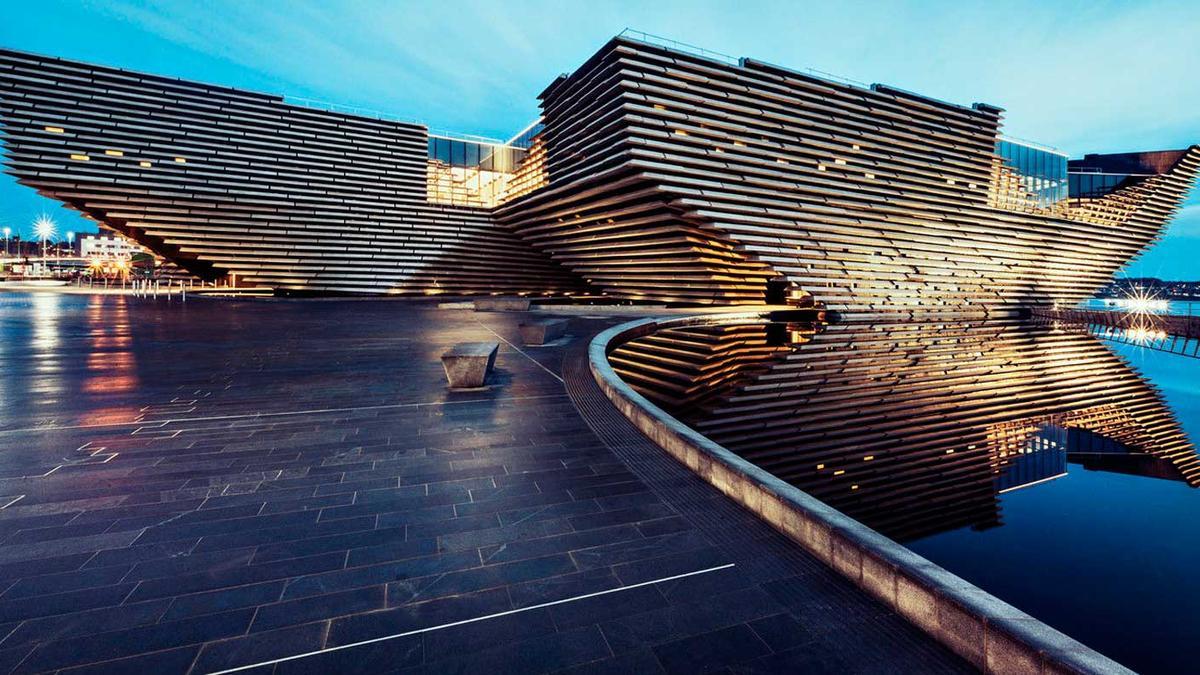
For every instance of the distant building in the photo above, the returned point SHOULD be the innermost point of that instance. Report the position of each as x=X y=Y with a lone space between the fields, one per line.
x=102 y=246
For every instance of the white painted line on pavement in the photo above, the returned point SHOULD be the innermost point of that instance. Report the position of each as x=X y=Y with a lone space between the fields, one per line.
x=474 y=620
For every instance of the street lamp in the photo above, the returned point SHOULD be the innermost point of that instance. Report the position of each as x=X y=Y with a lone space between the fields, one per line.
x=44 y=228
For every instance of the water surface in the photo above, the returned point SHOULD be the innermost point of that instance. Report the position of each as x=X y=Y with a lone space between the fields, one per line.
x=1048 y=467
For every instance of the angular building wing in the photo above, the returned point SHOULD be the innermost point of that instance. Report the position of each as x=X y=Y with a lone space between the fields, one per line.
x=224 y=182
x=656 y=175
x=687 y=178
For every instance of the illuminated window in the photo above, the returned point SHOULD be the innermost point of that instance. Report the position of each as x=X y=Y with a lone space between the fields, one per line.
x=482 y=174
x=782 y=160
x=820 y=167
x=820 y=466
x=871 y=176
x=868 y=458
x=181 y=160
x=853 y=487
x=839 y=161
x=949 y=181
x=680 y=132
x=739 y=144
x=855 y=146
x=80 y=158
x=114 y=153
x=950 y=452
x=144 y=165
x=55 y=130
x=839 y=472
x=659 y=106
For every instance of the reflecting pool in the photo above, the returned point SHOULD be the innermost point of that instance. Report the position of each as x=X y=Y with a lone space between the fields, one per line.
x=1050 y=468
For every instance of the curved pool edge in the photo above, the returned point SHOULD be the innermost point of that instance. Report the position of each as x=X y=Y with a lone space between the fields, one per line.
x=988 y=632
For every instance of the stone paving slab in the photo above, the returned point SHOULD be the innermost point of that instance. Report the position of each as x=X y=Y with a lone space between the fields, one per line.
x=214 y=485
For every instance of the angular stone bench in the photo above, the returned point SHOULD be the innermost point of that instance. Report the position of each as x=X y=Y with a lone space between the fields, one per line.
x=502 y=304
x=541 y=331
x=467 y=364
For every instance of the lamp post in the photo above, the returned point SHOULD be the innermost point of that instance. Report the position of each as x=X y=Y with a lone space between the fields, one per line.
x=43 y=227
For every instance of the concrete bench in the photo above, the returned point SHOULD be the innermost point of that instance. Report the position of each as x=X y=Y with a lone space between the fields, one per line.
x=467 y=364
x=502 y=304
x=542 y=331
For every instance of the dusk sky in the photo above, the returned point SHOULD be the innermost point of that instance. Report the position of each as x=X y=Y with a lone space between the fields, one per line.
x=1083 y=76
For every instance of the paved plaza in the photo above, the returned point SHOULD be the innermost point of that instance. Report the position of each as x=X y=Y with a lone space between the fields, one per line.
x=289 y=486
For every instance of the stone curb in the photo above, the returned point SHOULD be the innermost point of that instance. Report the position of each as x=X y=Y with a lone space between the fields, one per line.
x=991 y=634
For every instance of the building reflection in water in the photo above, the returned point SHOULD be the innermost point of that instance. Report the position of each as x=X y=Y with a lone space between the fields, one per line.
x=67 y=359
x=110 y=367
x=913 y=428
x=46 y=381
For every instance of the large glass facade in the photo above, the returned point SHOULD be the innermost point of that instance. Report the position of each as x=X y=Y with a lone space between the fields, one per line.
x=468 y=172
x=525 y=138
x=473 y=154
x=1032 y=178
x=1043 y=456
x=1086 y=184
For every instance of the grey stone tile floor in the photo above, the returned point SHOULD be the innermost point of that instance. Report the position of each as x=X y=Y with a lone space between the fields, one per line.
x=289 y=486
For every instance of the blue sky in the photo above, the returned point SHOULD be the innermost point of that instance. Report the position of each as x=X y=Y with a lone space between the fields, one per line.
x=1081 y=76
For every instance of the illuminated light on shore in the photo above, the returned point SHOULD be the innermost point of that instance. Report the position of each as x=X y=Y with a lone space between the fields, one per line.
x=1141 y=301
x=1143 y=335
x=44 y=227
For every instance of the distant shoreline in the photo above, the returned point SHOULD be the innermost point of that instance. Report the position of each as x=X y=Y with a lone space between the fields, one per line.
x=17 y=287
x=1154 y=287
